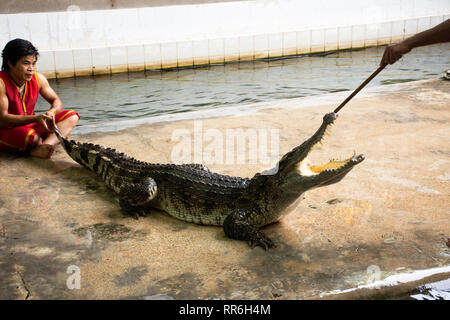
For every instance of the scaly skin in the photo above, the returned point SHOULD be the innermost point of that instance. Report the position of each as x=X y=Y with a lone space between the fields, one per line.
x=192 y=193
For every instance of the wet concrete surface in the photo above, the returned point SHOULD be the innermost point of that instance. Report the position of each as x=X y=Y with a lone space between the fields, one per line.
x=63 y=236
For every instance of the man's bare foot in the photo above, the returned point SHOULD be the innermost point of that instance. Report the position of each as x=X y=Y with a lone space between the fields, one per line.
x=44 y=151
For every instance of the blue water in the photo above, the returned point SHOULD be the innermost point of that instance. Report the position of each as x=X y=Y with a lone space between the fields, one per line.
x=103 y=99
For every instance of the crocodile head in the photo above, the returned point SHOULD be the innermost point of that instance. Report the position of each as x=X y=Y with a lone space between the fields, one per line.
x=296 y=174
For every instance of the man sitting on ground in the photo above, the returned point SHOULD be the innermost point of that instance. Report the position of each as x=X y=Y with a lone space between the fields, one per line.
x=21 y=130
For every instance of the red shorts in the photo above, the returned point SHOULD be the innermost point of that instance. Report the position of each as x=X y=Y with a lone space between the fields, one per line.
x=22 y=137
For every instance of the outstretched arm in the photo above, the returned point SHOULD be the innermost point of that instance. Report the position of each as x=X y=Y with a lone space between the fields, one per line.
x=438 y=34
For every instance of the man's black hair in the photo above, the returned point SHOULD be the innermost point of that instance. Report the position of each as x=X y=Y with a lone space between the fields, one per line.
x=16 y=49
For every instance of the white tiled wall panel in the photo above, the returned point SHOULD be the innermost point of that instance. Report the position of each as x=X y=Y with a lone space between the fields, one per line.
x=410 y=27
x=246 y=47
x=289 y=43
x=344 y=37
x=358 y=36
x=331 y=39
x=64 y=63
x=434 y=20
x=201 y=52
x=303 y=41
x=180 y=35
x=152 y=56
x=46 y=63
x=384 y=33
x=185 y=53
x=398 y=30
x=135 y=57
x=101 y=61
x=261 y=42
x=275 y=45
x=82 y=60
x=169 y=55
x=318 y=40
x=118 y=59
x=231 y=49
x=371 y=36
x=216 y=50
x=423 y=24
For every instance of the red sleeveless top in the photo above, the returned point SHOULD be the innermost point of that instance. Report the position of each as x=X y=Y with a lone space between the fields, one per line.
x=21 y=105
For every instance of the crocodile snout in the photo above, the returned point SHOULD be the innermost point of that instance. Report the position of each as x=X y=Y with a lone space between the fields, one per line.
x=330 y=117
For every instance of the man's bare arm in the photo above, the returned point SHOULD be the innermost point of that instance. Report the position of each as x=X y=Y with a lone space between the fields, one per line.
x=50 y=95
x=12 y=120
x=438 y=34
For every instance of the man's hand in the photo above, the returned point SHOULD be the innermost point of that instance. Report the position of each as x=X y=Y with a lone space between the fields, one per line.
x=394 y=52
x=51 y=113
x=47 y=122
x=438 y=34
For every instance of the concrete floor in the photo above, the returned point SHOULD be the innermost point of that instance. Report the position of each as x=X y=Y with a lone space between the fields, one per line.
x=63 y=236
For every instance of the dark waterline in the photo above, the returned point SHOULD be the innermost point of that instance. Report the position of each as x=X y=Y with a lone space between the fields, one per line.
x=138 y=95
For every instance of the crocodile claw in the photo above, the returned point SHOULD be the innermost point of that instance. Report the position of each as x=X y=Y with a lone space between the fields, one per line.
x=134 y=215
x=137 y=213
x=262 y=241
x=140 y=212
x=132 y=211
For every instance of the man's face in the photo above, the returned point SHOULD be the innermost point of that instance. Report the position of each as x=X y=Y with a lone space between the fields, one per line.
x=24 y=68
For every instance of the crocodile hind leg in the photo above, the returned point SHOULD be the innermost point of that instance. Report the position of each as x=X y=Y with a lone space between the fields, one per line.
x=134 y=196
x=237 y=226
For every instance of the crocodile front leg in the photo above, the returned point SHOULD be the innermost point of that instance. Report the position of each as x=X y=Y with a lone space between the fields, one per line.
x=132 y=211
x=237 y=226
x=134 y=196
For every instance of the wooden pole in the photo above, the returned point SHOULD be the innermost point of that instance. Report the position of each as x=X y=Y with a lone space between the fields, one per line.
x=359 y=88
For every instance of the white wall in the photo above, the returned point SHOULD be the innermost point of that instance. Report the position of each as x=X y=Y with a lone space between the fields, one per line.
x=101 y=41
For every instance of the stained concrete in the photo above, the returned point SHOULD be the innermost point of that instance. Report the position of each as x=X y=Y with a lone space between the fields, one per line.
x=390 y=214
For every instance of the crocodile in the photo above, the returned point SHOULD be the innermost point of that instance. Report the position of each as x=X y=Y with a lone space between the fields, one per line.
x=192 y=193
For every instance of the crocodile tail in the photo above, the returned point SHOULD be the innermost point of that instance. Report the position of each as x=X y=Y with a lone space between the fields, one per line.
x=67 y=145
x=94 y=157
x=82 y=153
x=58 y=134
x=110 y=165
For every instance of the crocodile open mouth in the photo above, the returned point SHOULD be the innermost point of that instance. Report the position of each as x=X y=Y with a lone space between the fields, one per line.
x=306 y=168
x=328 y=173
x=296 y=160
x=333 y=167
